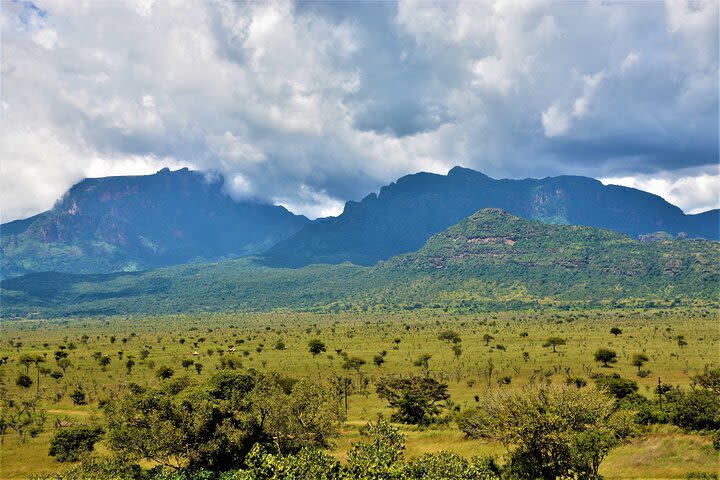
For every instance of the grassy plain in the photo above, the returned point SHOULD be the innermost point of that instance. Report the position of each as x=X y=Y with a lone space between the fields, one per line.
x=663 y=452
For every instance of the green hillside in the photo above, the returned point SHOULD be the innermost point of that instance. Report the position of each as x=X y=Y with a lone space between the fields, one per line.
x=489 y=261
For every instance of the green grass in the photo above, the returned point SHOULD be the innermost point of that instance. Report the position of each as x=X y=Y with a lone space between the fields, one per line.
x=663 y=453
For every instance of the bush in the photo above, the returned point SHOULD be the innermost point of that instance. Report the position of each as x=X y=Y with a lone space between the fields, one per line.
x=697 y=410
x=78 y=397
x=556 y=431
x=307 y=464
x=23 y=381
x=446 y=465
x=616 y=385
x=69 y=444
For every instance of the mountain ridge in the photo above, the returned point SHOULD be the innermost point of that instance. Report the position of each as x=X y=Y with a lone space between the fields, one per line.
x=142 y=221
x=405 y=213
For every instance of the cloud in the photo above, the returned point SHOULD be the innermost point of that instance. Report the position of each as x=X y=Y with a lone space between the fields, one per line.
x=315 y=103
x=694 y=192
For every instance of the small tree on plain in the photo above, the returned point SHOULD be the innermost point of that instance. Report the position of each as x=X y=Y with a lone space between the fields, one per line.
x=639 y=359
x=316 y=347
x=164 y=372
x=606 y=356
x=554 y=342
x=415 y=398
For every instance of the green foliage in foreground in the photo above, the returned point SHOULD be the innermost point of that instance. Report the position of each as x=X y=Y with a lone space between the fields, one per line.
x=489 y=261
x=562 y=432
x=378 y=457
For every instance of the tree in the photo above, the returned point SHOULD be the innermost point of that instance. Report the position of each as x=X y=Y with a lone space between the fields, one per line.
x=69 y=444
x=487 y=338
x=164 y=372
x=213 y=425
x=78 y=396
x=26 y=360
x=616 y=385
x=316 y=347
x=606 y=356
x=551 y=432
x=63 y=363
x=450 y=336
x=710 y=379
x=639 y=359
x=198 y=367
x=104 y=361
x=615 y=331
x=457 y=350
x=554 y=342
x=129 y=364
x=23 y=381
x=378 y=360
x=696 y=410
x=37 y=360
x=423 y=361
x=415 y=398
x=353 y=363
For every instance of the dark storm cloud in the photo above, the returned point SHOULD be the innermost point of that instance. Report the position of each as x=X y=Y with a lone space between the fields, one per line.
x=314 y=103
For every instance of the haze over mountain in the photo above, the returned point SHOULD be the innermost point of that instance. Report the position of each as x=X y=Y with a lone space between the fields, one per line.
x=406 y=213
x=111 y=224
x=491 y=260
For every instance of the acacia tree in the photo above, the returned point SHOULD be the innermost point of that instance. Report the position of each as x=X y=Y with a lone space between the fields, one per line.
x=639 y=359
x=450 y=336
x=551 y=432
x=415 y=398
x=353 y=363
x=606 y=356
x=554 y=342
x=316 y=347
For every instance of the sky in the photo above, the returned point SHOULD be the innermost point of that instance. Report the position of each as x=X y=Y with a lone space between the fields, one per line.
x=312 y=104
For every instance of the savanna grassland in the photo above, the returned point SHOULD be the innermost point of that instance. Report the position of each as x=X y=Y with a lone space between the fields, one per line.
x=486 y=353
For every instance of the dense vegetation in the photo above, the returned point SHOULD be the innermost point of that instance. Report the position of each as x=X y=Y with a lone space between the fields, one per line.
x=199 y=398
x=406 y=213
x=104 y=225
x=489 y=261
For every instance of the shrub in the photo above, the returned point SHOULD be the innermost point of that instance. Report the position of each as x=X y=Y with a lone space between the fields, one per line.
x=697 y=410
x=616 y=385
x=69 y=444
x=23 y=381
x=557 y=432
x=78 y=396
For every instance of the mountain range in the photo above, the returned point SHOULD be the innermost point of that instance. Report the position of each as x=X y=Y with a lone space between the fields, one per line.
x=488 y=261
x=135 y=223
x=131 y=223
x=406 y=213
